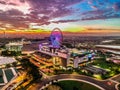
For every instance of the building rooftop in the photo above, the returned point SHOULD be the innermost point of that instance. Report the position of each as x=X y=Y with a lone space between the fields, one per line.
x=6 y=60
x=14 y=44
x=109 y=46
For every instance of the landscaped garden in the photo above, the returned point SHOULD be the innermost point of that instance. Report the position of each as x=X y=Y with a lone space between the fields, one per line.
x=71 y=85
x=112 y=68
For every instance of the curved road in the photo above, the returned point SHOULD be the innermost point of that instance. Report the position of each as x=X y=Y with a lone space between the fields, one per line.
x=103 y=83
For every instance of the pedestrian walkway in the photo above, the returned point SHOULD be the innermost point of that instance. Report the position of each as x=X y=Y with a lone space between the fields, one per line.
x=116 y=78
x=4 y=77
x=13 y=70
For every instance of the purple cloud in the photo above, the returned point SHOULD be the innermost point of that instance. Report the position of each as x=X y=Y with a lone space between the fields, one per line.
x=14 y=4
x=106 y=13
x=22 y=1
x=102 y=17
x=13 y=17
x=96 y=12
x=116 y=6
x=14 y=12
x=52 y=8
x=3 y=2
x=43 y=12
x=65 y=21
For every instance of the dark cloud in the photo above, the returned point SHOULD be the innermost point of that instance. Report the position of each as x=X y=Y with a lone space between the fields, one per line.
x=65 y=21
x=44 y=23
x=59 y=21
x=51 y=3
x=14 y=12
x=101 y=9
x=104 y=10
x=62 y=12
x=8 y=3
x=102 y=17
x=3 y=2
x=116 y=6
x=98 y=4
x=18 y=19
x=52 y=8
x=13 y=17
x=95 y=12
x=14 y=4
x=22 y=1
x=41 y=12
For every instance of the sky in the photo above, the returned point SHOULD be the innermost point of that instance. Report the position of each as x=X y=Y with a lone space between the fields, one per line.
x=72 y=16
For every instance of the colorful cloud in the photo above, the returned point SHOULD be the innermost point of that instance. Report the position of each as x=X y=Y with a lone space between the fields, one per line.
x=20 y=14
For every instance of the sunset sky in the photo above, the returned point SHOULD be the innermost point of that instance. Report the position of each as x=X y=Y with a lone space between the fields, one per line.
x=73 y=16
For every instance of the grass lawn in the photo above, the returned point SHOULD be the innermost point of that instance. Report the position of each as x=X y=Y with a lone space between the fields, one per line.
x=104 y=64
x=75 y=85
x=112 y=68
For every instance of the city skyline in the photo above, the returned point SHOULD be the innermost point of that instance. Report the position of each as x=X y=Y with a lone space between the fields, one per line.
x=59 y=44
x=84 y=17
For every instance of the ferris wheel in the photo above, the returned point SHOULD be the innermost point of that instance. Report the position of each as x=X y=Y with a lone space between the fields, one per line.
x=56 y=38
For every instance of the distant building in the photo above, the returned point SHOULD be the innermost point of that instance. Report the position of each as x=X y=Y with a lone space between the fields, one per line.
x=109 y=48
x=59 y=57
x=54 y=48
x=76 y=62
x=89 y=57
x=15 y=46
x=115 y=59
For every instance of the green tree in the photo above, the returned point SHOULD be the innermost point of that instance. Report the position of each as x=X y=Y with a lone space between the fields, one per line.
x=14 y=64
x=31 y=69
x=7 y=65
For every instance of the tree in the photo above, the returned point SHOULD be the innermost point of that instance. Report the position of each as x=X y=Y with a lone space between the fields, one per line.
x=34 y=72
x=7 y=65
x=31 y=69
x=75 y=88
x=14 y=64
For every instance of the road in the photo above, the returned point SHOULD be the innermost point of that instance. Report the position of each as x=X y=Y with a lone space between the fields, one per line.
x=103 y=83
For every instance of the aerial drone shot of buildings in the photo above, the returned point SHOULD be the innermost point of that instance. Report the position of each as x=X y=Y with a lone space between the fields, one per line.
x=59 y=44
